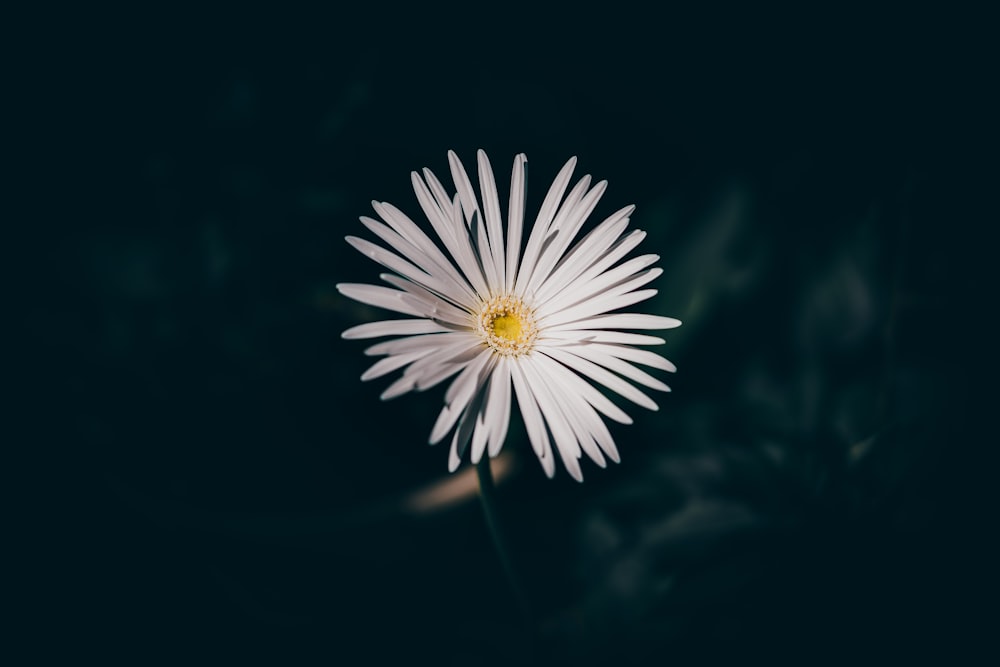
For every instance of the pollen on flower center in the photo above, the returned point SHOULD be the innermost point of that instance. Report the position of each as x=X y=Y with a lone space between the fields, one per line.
x=507 y=325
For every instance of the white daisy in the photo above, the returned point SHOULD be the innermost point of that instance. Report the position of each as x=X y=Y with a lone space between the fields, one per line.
x=502 y=313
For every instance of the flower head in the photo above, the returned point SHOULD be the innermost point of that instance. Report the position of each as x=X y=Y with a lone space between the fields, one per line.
x=529 y=319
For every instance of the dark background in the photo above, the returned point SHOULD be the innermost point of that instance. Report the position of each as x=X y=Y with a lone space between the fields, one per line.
x=218 y=486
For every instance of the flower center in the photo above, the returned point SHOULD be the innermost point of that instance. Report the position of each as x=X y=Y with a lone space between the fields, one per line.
x=507 y=325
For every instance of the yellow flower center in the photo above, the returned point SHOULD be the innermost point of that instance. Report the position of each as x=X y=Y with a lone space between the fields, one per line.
x=507 y=325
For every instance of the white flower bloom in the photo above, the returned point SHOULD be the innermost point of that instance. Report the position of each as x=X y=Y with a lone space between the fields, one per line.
x=539 y=321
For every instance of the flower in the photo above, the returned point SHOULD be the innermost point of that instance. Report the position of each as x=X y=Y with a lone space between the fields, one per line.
x=538 y=321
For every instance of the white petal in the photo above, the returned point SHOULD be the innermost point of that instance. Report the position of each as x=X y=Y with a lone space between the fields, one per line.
x=584 y=290
x=393 y=328
x=618 y=250
x=533 y=422
x=462 y=389
x=623 y=321
x=427 y=302
x=481 y=432
x=596 y=306
x=432 y=377
x=449 y=227
x=454 y=460
x=556 y=232
x=446 y=420
x=644 y=357
x=576 y=412
x=440 y=194
x=381 y=297
x=566 y=442
x=466 y=426
x=571 y=202
x=438 y=211
x=584 y=254
x=398 y=243
x=442 y=364
x=587 y=297
x=389 y=259
x=432 y=263
x=463 y=186
x=435 y=367
x=484 y=253
x=583 y=389
x=470 y=206
x=429 y=258
x=458 y=339
x=491 y=212
x=598 y=336
x=617 y=365
x=458 y=230
x=464 y=386
x=404 y=268
x=398 y=388
x=515 y=218
x=598 y=374
x=540 y=229
x=389 y=364
x=408 y=229
x=586 y=416
x=499 y=404
x=468 y=250
x=568 y=228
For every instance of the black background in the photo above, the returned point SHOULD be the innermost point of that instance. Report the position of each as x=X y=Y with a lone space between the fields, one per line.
x=217 y=486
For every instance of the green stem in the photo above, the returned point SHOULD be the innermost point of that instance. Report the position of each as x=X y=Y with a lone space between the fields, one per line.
x=487 y=494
